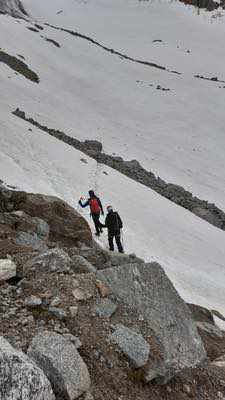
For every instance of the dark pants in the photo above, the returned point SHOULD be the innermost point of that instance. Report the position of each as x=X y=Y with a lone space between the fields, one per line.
x=115 y=235
x=98 y=225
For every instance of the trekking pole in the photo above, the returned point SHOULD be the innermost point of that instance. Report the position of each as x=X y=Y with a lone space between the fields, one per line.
x=122 y=238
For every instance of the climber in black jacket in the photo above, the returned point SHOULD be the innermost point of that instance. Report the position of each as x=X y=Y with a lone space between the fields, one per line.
x=113 y=223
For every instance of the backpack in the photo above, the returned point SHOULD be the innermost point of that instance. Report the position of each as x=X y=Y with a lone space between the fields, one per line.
x=94 y=206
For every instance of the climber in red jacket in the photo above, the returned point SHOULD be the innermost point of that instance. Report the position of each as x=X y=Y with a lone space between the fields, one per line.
x=95 y=208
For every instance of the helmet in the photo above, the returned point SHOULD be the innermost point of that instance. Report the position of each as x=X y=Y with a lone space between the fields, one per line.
x=109 y=208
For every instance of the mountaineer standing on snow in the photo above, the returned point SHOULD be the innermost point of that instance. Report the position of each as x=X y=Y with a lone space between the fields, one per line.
x=95 y=208
x=113 y=223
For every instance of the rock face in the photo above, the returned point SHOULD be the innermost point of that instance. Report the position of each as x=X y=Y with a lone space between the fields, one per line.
x=20 y=378
x=20 y=232
x=133 y=345
x=13 y=8
x=81 y=266
x=105 y=308
x=32 y=240
x=7 y=269
x=145 y=291
x=62 y=364
x=117 y=259
x=66 y=226
x=55 y=260
x=212 y=330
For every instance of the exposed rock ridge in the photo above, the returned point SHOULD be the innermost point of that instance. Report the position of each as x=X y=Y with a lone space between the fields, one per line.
x=14 y=8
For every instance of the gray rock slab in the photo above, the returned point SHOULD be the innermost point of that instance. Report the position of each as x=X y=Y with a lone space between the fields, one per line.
x=20 y=377
x=42 y=228
x=30 y=239
x=55 y=260
x=132 y=344
x=62 y=364
x=7 y=269
x=106 y=308
x=80 y=265
x=122 y=259
x=145 y=289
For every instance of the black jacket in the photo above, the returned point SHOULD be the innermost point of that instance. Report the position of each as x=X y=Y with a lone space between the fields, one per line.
x=113 y=222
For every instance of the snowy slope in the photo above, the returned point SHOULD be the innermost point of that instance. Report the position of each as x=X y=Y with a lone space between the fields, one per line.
x=90 y=93
x=178 y=134
x=190 y=250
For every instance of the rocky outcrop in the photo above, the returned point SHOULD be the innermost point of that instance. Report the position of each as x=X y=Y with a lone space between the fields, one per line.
x=211 y=329
x=12 y=7
x=209 y=5
x=20 y=378
x=146 y=292
x=80 y=265
x=54 y=260
x=66 y=226
x=20 y=232
x=62 y=364
x=123 y=315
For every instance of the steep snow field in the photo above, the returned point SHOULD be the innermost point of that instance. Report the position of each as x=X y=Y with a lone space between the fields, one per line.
x=90 y=93
x=190 y=250
x=178 y=134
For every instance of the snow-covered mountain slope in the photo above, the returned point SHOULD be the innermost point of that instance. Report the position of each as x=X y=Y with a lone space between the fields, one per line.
x=89 y=92
x=191 y=250
x=179 y=134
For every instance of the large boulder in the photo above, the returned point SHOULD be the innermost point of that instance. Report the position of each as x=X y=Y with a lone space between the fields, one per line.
x=19 y=232
x=7 y=269
x=66 y=225
x=20 y=378
x=55 y=260
x=62 y=364
x=165 y=321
